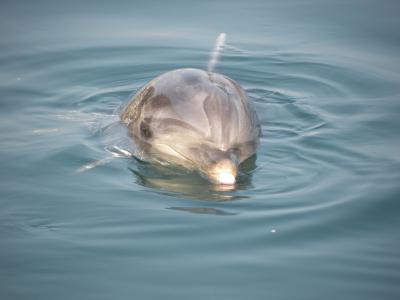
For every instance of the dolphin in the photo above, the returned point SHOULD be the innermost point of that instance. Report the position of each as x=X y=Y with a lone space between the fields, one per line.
x=195 y=119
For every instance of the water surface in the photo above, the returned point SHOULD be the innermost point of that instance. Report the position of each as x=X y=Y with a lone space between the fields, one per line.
x=314 y=217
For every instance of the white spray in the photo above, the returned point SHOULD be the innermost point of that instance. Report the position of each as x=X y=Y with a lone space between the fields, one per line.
x=214 y=57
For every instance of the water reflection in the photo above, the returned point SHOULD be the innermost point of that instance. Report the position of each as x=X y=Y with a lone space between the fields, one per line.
x=173 y=181
x=204 y=210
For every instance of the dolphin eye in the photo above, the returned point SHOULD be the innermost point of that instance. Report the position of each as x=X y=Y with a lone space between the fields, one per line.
x=235 y=152
x=145 y=130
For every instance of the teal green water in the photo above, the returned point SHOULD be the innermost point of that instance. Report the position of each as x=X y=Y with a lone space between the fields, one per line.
x=316 y=216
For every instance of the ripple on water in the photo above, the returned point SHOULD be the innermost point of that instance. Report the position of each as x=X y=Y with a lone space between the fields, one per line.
x=317 y=182
x=301 y=149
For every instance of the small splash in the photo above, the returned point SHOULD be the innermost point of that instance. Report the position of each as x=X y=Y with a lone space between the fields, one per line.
x=115 y=151
x=94 y=164
x=215 y=54
x=46 y=130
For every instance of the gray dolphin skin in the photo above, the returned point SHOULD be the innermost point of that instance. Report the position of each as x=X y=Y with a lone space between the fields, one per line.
x=195 y=119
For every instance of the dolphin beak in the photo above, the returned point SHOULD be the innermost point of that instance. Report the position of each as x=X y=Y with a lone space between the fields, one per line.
x=226 y=178
x=223 y=172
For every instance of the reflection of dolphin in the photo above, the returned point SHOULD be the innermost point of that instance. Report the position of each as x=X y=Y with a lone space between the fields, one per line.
x=174 y=181
x=196 y=119
x=204 y=210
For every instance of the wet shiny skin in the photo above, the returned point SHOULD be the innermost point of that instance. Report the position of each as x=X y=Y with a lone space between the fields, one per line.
x=196 y=119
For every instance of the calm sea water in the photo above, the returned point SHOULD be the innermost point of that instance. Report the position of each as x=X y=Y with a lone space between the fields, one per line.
x=315 y=217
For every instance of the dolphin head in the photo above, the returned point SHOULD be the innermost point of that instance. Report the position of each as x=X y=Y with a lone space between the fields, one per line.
x=195 y=119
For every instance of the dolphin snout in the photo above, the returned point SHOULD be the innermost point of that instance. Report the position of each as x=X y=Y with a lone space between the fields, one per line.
x=223 y=172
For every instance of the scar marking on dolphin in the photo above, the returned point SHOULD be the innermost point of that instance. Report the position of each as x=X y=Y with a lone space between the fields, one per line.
x=132 y=113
